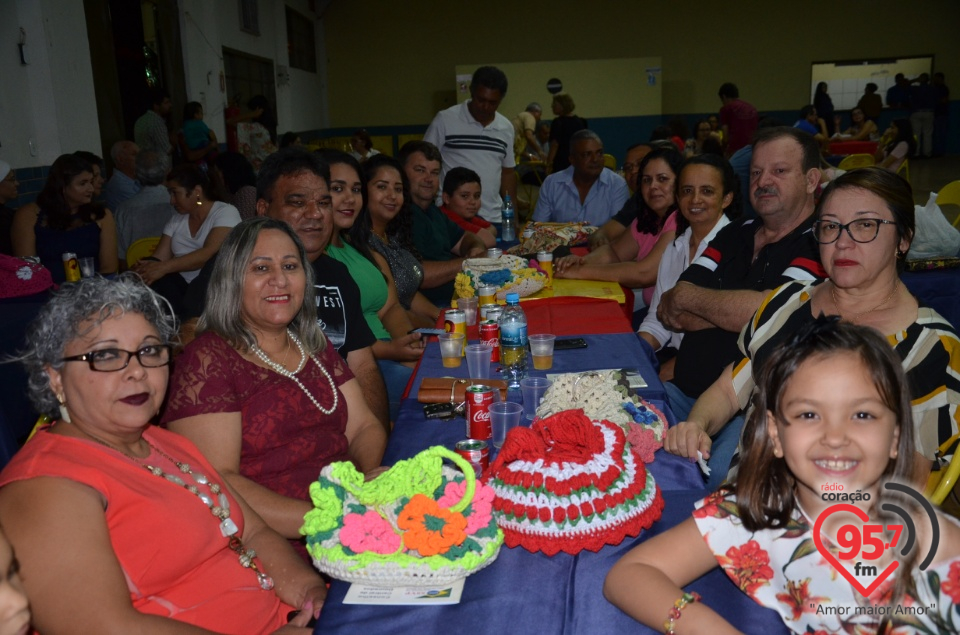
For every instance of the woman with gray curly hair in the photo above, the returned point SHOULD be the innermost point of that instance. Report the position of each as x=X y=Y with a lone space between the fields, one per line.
x=261 y=391
x=164 y=538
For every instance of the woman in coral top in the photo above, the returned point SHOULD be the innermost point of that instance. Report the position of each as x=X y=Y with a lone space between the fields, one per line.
x=120 y=526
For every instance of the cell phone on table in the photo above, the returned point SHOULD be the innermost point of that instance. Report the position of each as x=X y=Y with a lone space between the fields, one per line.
x=568 y=343
x=426 y=331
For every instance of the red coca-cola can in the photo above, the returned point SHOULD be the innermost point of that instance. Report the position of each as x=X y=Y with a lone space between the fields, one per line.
x=490 y=334
x=476 y=453
x=479 y=398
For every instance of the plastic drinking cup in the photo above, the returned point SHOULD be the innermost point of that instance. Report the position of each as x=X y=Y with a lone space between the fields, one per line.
x=469 y=307
x=504 y=416
x=532 y=389
x=541 y=346
x=87 y=269
x=478 y=360
x=451 y=349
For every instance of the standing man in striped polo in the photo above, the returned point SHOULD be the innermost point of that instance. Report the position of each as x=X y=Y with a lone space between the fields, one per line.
x=474 y=135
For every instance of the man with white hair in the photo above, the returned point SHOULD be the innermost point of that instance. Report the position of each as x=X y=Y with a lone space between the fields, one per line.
x=584 y=191
x=122 y=184
x=145 y=213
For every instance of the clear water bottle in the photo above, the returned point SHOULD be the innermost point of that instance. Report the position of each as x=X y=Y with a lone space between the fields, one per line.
x=509 y=217
x=513 y=342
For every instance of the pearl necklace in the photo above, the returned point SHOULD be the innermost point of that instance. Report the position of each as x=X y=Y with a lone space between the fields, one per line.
x=853 y=320
x=220 y=507
x=281 y=370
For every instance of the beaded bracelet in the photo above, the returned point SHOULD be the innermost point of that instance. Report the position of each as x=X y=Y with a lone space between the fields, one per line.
x=678 y=606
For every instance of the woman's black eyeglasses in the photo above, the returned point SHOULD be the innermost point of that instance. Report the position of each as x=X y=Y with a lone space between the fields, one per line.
x=108 y=360
x=863 y=230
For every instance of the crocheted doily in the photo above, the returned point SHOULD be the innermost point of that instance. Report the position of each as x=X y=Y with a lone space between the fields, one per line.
x=568 y=483
x=602 y=396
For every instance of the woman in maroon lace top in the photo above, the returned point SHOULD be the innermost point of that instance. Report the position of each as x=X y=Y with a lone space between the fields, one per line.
x=261 y=391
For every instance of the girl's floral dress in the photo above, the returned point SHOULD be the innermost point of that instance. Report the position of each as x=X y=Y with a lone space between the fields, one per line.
x=781 y=569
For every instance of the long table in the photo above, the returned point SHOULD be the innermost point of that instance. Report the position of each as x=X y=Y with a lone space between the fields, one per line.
x=531 y=592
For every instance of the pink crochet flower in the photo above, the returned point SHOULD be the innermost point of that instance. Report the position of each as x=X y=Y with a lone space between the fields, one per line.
x=481 y=507
x=368 y=532
x=643 y=442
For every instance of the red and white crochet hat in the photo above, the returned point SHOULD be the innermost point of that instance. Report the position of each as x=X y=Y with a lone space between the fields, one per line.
x=568 y=483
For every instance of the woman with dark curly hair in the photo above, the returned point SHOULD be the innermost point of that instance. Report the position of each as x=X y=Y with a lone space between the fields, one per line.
x=65 y=219
x=633 y=258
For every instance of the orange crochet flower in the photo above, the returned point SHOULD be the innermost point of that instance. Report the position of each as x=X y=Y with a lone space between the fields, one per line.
x=430 y=529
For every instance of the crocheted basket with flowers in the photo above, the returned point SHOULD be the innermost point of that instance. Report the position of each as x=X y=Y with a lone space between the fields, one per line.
x=420 y=523
x=568 y=483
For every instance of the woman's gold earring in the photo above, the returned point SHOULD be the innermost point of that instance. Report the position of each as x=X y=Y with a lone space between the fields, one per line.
x=64 y=414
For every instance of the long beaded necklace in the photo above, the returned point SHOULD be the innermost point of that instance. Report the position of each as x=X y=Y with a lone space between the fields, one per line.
x=219 y=507
x=292 y=375
x=853 y=320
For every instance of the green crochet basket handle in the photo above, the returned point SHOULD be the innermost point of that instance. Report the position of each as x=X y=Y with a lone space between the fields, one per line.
x=404 y=477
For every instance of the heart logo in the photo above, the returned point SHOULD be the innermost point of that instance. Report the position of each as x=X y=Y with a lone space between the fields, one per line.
x=862 y=515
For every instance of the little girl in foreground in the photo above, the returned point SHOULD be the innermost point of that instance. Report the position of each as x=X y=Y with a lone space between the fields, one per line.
x=833 y=408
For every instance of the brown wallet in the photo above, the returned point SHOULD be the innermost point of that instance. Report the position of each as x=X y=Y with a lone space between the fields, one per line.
x=440 y=389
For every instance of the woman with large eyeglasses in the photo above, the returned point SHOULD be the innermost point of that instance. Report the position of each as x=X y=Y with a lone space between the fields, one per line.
x=120 y=526
x=865 y=222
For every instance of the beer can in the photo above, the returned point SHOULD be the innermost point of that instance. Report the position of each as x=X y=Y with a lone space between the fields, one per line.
x=479 y=398
x=455 y=321
x=494 y=313
x=494 y=252
x=476 y=453
x=490 y=334
x=484 y=308
x=71 y=266
x=487 y=294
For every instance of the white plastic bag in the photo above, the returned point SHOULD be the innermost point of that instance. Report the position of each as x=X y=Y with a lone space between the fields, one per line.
x=935 y=237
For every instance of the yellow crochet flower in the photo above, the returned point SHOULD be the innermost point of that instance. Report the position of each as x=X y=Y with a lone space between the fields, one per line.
x=463 y=285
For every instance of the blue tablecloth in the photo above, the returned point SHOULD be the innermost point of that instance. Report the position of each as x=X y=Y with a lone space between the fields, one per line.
x=525 y=592
x=530 y=592
x=616 y=350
